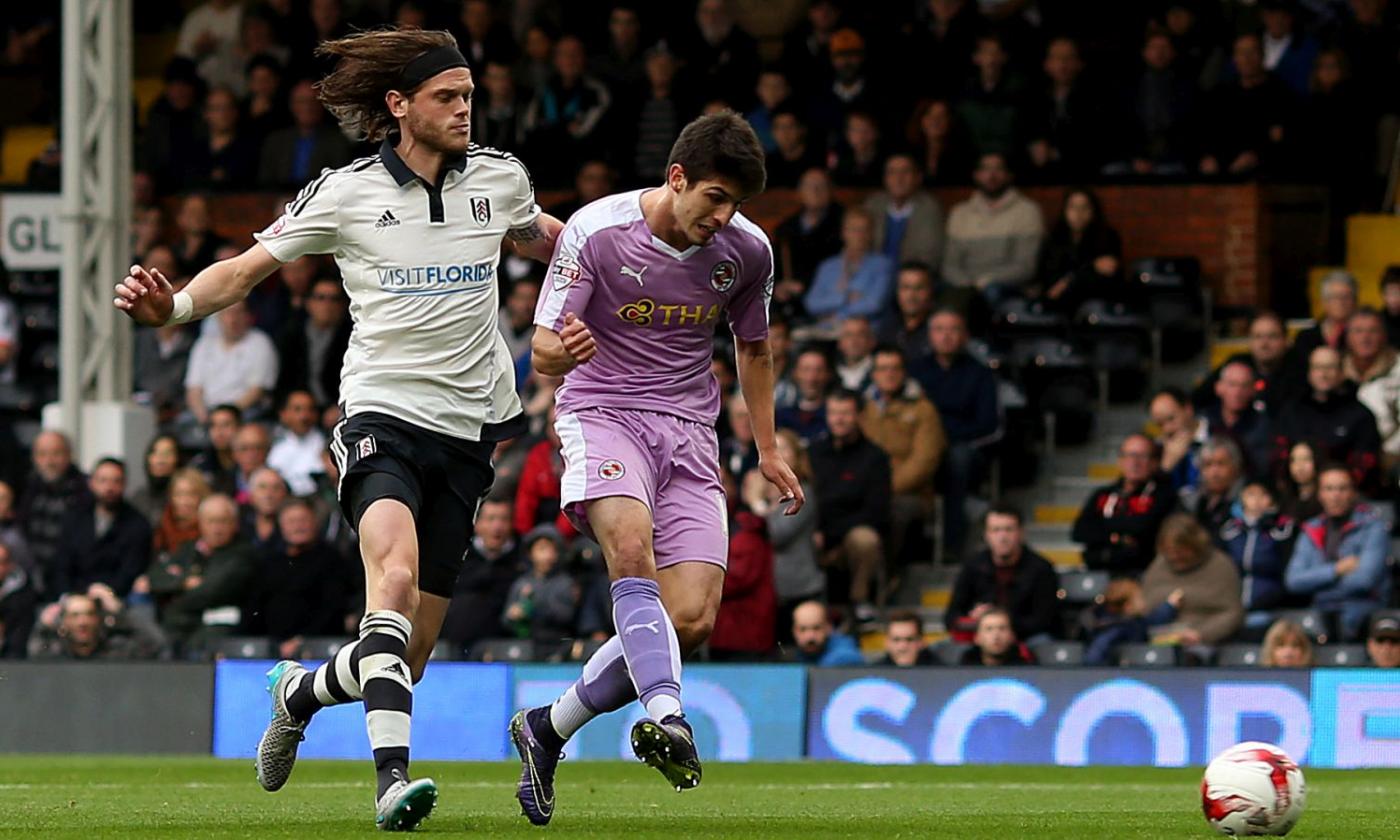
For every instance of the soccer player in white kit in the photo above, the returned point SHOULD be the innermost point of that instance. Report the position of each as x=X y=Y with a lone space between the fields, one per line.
x=627 y=315
x=428 y=384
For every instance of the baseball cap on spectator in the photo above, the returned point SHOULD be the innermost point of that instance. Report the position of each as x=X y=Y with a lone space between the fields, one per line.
x=846 y=40
x=543 y=532
x=1385 y=627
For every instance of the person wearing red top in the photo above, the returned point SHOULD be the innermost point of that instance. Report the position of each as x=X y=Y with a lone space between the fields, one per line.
x=744 y=625
x=537 y=495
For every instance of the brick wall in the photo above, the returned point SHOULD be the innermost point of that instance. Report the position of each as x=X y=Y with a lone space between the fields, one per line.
x=1224 y=226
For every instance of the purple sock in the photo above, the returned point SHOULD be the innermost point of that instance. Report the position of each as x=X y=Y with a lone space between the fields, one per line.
x=649 y=645
x=604 y=686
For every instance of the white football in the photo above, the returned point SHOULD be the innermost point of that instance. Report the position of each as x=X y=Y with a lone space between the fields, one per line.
x=1253 y=789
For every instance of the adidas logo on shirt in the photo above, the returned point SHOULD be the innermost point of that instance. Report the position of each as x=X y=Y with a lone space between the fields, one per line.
x=386 y=220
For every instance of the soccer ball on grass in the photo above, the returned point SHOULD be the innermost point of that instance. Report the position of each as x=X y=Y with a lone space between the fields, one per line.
x=1253 y=789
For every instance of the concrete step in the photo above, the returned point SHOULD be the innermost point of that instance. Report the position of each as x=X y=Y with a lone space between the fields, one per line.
x=1038 y=535
x=1055 y=514
x=1063 y=558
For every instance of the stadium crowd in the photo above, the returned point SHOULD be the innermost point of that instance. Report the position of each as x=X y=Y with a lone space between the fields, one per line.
x=1254 y=495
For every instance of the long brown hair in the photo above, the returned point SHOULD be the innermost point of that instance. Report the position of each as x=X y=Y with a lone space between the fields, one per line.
x=369 y=66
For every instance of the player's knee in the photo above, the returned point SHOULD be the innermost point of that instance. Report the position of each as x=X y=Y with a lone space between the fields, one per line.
x=397 y=589
x=693 y=631
x=861 y=538
x=631 y=557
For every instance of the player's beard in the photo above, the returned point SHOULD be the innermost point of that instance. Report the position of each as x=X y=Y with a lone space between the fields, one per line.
x=437 y=137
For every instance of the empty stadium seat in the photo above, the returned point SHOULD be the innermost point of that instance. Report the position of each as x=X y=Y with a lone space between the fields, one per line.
x=503 y=650
x=1149 y=656
x=1082 y=587
x=1314 y=622
x=1237 y=656
x=243 y=647
x=1059 y=653
x=1340 y=656
x=950 y=653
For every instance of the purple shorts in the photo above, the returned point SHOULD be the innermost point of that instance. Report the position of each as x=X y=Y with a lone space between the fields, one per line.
x=669 y=464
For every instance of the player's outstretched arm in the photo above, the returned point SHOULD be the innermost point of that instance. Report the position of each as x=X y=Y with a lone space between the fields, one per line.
x=151 y=301
x=536 y=240
x=556 y=353
x=754 y=359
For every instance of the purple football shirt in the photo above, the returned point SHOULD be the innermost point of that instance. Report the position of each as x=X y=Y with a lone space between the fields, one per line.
x=652 y=309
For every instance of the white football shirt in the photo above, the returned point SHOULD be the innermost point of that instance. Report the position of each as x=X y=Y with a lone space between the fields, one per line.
x=419 y=264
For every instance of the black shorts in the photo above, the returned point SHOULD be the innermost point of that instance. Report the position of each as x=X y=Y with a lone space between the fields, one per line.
x=442 y=480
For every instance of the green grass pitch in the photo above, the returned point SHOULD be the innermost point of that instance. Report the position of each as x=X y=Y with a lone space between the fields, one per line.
x=86 y=797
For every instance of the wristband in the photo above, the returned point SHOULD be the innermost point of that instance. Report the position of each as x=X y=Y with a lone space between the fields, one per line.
x=184 y=309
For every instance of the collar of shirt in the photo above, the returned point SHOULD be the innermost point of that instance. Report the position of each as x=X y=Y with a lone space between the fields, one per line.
x=900 y=211
x=405 y=176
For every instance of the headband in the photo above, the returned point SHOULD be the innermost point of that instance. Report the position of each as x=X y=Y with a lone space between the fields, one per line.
x=428 y=65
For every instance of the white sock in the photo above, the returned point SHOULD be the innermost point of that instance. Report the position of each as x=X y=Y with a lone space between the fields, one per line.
x=568 y=714
x=663 y=706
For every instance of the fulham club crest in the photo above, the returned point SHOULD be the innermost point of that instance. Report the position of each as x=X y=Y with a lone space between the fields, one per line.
x=481 y=209
x=722 y=275
x=611 y=470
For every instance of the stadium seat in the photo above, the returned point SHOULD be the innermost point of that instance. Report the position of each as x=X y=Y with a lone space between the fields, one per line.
x=950 y=653
x=1149 y=656
x=1018 y=316
x=503 y=650
x=322 y=647
x=1082 y=588
x=1059 y=653
x=40 y=316
x=243 y=647
x=21 y=145
x=1340 y=656
x=1237 y=656
x=1314 y=622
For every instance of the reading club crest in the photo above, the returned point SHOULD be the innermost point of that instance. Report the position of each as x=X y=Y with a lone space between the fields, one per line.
x=481 y=209
x=722 y=275
x=611 y=470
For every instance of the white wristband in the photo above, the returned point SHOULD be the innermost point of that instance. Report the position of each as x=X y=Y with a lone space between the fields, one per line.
x=184 y=309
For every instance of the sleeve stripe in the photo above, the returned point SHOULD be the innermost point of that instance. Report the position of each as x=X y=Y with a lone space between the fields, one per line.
x=309 y=191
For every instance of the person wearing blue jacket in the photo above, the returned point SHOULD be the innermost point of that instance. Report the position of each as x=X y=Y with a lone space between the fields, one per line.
x=856 y=282
x=1340 y=556
x=817 y=643
x=1258 y=539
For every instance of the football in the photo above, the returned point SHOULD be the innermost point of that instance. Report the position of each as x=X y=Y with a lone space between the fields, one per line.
x=1253 y=789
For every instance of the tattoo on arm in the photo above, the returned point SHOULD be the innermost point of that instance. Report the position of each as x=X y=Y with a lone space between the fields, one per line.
x=530 y=233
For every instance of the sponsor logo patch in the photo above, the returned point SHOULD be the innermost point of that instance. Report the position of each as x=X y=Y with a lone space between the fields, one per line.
x=566 y=272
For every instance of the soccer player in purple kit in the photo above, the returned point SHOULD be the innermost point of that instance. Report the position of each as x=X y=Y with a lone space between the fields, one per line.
x=627 y=316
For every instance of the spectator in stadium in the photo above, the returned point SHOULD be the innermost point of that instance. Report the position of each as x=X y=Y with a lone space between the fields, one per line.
x=1008 y=575
x=852 y=478
x=311 y=347
x=1158 y=112
x=1330 y=416
x=1286 y=645
x=250 y=447
x=993 y=237
x=719 y=57
x=846 y=87
x=937 y=142
x=327 y=23
x=1383 y=642
x=179 y=521
x=595 y=180
x=804 y=240
x=12 y=530
x=944 y=43
x=737 y=451
x=536 y=63
x=994 y=644
x=105 y=540
x=498 y=120
x=209 y=35
x=265 y=104
x=1297 y=483
x=660 y=113
x=566 y=113
x=1064 y=133
x=538 y=493
x=225 y=159
x=1082 y=258
x=1390 y=306
x=992 y=98
x=492 y=564
x=1289 y=52
x=907 y=327
x=161 y=461
x=1119 y=522
x=1248 y=116
x=258 y=524
x=855 y=340
x=1267 y=361
x=907 y=220
x=859 y=158
x=480 y=36
x=965 y=394
x=1233 y=415
x=900 y=420
x=297 y=444
x=92 y=627
x=543 y=601
x=1373 y=366
x=772 y=91
x=148 y=233
x=854 y=282
x=1339 y=294
x=294 y=155
x=794 y=153
x=1187 y=560
x=517 y=315
x=257 y=37
x=55 y=487
x=300 y=589
x=806 y=45
x=1340 y=557
x=622 y=67
x=744 y=626
x=1213 y=501
x=172 y=124
x=1180 y=435
x=203 y=585
x=216 y=460
x=235 y=366
x=18 y=606
x=198 y=242
x=1121 y=617
x=904 y=642
x=1260 y=540
x=162 y=355
x=9 y=339
x=797 y=576
x=818 y=643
